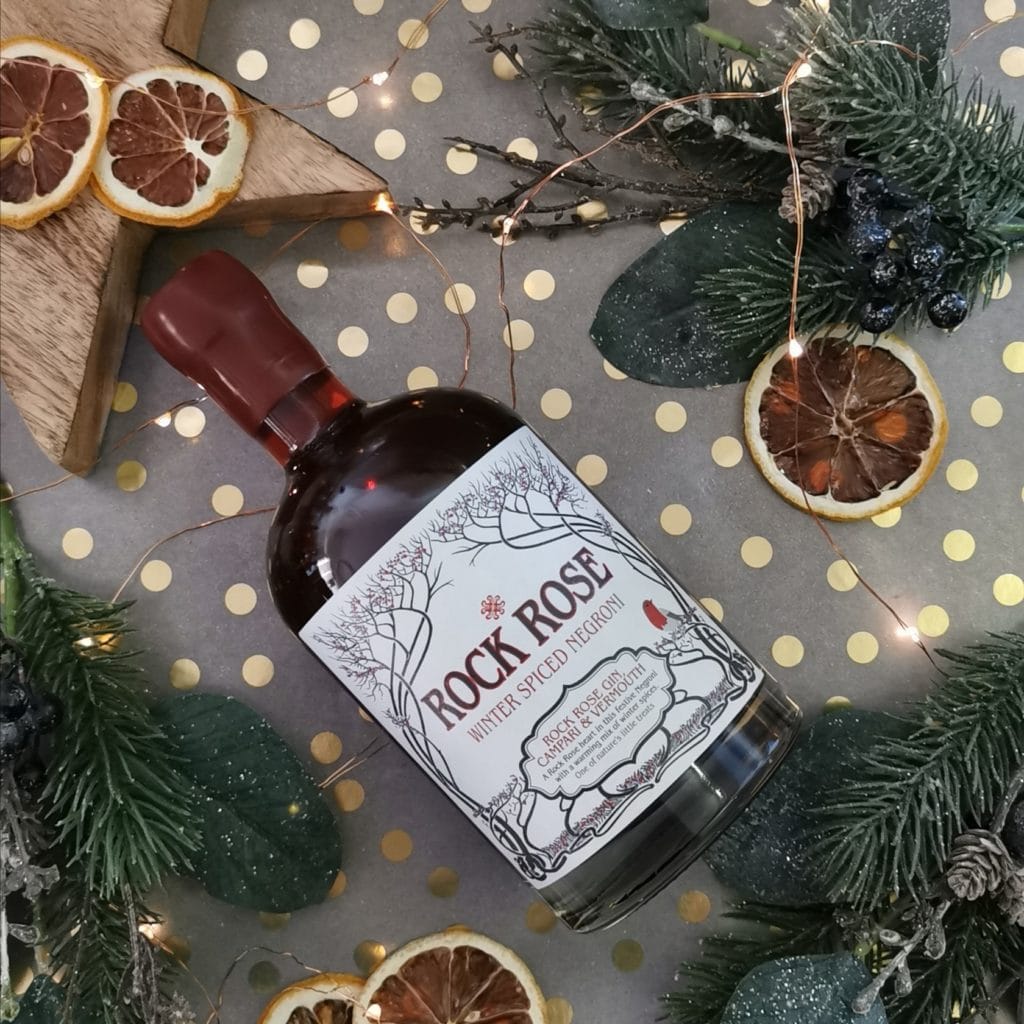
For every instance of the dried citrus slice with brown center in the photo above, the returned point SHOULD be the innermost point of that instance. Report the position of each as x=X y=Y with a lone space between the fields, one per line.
x=53 y=111
x=857 y=427
x=454 y=977
x=321 y=999
x=174 y=151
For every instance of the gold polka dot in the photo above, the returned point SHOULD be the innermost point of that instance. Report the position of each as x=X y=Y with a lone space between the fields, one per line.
x=613 y=371
x=524 y=147
x=413 y=33
x=999 y=10
x=349 y=795
x=961 y=474
x=540 y=917
x=338 y=885
x=184 y=674
x=389 y=144
x=714 y=607
x=592 y=470
x=264 y=977
x=353 y=341
x=673 y=222
x=1001 y=287
x=459 y=294
x=257 y=670
x=670 y=417
x=888 y=519
x=304 y=33
x=592 y=211
x=227 y=500
x=1008 y=589
x=694 y=906
x=756 y=552
x=401 y=308
x=862 y=647
x=1013 y=357
x=251 y=65
x=342 y=101
x=591 y=100
x=365 y=715
x=416 y=219
x=312 y=273
x=675 y=519
x=504 y=69
x=559 y=1010
x=274 y=922
x=627 y=954
x=368 y=955
x=476 y=6
x=522 y=336
x=427 y=87
x=325 y=747
x=742 y=72
x=840 y=575
x=958 y=545
x=156 y=575
x=787 y=651
x=354 y=235
x=556 y=403
x=726 y=451
x=986 y=411
x=21 y=979
x=1011 y=60
x=125 y=395
x=460 y=159
x=131 y=475
x=421 y=377
x=443 y=882
x=190 y=421
x=368 y=7
x=932 y=620
x=396 y=845
x=539 y=285
x=77 y=543
x=240 y=599
x=837 y=703
x=257 y=228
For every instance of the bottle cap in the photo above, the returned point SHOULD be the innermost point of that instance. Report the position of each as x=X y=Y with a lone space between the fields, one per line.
x=216 y=322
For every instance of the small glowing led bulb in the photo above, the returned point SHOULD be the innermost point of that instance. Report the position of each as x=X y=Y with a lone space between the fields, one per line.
x=796 y=350
x=379 y=77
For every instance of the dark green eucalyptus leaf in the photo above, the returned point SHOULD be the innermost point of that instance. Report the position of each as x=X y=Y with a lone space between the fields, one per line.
x=652 y=322
x=269 y=840
x=42 y=1003
x=803 y=990
x=922 y=25
x=768 y=852
x=651 y=13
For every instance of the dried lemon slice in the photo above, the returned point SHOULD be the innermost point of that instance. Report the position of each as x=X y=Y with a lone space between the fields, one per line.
x=857 y=427
x=321 y=999
x=53 y=112
x=175 y=148
x=454 y=977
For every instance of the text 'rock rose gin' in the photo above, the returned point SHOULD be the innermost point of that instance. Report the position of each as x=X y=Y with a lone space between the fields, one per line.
x=524 y=648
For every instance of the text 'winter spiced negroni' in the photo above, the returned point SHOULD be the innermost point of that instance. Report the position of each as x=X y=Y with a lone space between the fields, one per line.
x=590 y=718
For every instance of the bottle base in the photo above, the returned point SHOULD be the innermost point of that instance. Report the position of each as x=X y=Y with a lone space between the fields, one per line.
x=673 y=833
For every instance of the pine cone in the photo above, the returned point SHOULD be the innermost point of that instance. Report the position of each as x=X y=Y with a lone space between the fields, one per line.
x=1011 y=897
x=817 y=187
x=978 y=863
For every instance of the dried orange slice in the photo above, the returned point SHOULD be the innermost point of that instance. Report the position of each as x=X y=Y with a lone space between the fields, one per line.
x=859 y=427
x=454 y=977
x=175 y=147
x=321 y=999
x=53 y=112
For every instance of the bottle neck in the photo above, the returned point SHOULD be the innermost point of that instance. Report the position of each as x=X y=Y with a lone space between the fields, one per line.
x=302 y=414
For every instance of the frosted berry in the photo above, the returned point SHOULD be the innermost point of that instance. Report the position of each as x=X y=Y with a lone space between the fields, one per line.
x=925 y=257
x=13 y=736
x=886 y=272
x=947 y=309
x=864 y=185
x=48 y=712
x=878 y=315
x=868 y=239
x=13 y=696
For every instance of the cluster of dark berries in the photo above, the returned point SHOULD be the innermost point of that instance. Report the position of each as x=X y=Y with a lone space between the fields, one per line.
x=879 y=212
x=25 y=717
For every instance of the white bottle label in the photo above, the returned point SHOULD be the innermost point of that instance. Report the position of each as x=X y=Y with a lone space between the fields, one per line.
x=534 y=657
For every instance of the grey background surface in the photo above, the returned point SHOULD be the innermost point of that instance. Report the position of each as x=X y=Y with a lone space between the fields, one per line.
x=648 y=469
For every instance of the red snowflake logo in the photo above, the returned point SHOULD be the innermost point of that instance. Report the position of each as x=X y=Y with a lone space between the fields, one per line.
x=492 y=607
